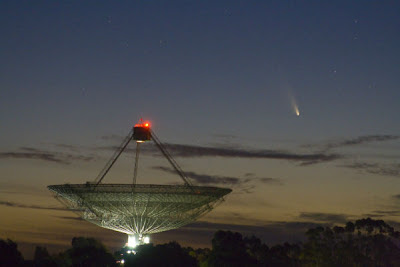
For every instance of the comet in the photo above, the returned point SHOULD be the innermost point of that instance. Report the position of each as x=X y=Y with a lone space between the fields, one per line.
x=293 y=102
x=296 y=110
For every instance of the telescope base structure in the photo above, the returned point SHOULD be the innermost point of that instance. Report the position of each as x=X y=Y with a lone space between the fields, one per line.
x=139 y=210
x=136 y=239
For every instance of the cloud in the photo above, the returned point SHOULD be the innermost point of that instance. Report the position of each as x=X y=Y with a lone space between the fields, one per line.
x=281 y=225
x=113 y=137
x=324 y=217
x=69 y=147
x=359 y=141
x=368 y=139
x=227 y=150
x=189 y=151
x=200 y=151
x=247 y=189
x=73 y=218
x=37 y=154
x=34 y=155
x=18 y=205
x=373 y=215
x=387 y=212
x=205 y=179
x=376 y=168
x=269 y=232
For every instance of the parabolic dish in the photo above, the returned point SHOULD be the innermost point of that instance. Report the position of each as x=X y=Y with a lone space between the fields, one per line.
x=139 y=209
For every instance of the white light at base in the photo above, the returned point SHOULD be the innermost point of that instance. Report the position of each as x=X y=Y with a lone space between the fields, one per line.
x=146 y=240
x=132 y=242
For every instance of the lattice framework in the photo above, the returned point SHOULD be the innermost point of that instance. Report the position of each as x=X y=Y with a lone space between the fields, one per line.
x=139 y=209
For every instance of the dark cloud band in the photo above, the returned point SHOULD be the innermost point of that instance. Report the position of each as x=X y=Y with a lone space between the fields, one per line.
x=324 y=217
x=37 y=154
x=204 y=179
x=18 y=205
x=365 y=139
x=200 y=151
x=376 y=168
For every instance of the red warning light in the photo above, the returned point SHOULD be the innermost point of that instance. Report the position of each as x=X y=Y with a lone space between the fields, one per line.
x=142 y=132
x=142 y=124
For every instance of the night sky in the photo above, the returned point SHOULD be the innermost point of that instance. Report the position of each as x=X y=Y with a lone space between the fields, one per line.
x=221 y=83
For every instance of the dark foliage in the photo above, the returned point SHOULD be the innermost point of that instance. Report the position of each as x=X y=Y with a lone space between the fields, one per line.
x=229 y=249
x=9 y=254
x=85 y=252
x=366 y=242
x=43 y=258
x=170 y=254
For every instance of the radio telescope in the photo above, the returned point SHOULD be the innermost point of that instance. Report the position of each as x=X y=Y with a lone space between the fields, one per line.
x=139 y=209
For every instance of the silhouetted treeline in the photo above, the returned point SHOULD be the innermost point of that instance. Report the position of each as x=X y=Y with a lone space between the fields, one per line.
x=366 y=242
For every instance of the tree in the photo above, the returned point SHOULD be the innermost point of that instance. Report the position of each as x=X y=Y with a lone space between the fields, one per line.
x=366 y=242
x=9 y=253
x=257 y=250
x=87 y=252
x=42 y=257
x=229 y=249
x=201 y=255
x=170 y=254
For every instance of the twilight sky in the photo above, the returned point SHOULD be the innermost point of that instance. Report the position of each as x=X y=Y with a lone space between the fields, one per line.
x=220 y=82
